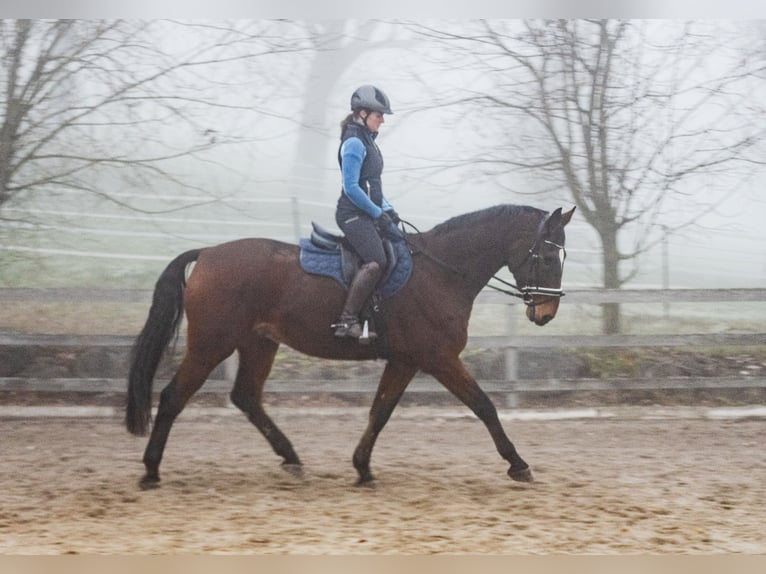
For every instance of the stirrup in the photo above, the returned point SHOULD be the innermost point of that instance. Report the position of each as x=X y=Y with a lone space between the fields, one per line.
x=347 y=327
x=367 y=336
x=350 y=328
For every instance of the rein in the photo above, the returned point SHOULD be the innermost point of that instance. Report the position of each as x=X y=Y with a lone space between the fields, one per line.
x=418 y=251
x=525 y=293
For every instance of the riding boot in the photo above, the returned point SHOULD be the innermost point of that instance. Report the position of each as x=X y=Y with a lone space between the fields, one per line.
x=361 y=288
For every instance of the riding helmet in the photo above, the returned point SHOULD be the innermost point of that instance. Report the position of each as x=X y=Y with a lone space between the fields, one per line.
x=370 y=98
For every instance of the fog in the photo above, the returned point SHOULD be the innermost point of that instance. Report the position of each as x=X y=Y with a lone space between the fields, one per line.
x=284 y=138
x=723 y=249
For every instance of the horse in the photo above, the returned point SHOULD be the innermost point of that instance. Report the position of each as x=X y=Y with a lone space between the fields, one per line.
x=250 y=295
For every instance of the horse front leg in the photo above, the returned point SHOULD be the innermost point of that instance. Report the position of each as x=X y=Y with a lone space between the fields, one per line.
x=396 y=376
x=455 y=378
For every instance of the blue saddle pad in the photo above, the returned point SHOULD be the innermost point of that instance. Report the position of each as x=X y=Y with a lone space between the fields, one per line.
x=318 y=261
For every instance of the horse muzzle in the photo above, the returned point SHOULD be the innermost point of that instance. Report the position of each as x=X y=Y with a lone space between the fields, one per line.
x=542 y=309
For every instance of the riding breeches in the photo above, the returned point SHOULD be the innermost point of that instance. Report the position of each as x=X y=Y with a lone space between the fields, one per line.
x=362 y=234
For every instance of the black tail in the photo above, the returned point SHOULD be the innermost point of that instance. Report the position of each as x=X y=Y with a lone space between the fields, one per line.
x=160 y=329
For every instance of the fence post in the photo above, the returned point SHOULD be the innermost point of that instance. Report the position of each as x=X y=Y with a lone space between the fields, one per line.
x=230 y=367
x=511 y=357
x=665 y=270
x=296 y=213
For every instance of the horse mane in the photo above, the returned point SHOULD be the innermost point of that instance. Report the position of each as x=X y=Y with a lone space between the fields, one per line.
x=468 y=219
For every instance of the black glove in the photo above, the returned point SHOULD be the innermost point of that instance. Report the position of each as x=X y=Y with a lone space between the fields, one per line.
x=386 y=226
x=384 y=223
x=394 y=216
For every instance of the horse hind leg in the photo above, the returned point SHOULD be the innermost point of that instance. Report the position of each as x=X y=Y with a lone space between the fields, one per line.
x=190 y=376
x=255 y=361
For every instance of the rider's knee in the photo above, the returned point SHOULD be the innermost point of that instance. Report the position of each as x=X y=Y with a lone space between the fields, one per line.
x=373 y=268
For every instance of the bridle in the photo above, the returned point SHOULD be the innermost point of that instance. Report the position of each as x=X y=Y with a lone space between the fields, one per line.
x=531 y=287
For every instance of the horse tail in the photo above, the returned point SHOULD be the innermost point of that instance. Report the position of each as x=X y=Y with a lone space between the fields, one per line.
x=161 y=327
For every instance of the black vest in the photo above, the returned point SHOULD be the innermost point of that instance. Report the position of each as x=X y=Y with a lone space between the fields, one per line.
x=372 y=166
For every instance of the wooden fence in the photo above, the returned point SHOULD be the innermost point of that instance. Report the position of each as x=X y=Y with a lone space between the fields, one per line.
x=510 y=341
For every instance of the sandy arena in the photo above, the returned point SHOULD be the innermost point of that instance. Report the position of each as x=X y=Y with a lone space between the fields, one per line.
x=680 y=481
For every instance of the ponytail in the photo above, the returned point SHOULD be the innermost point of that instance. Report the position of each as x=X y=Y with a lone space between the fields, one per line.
x=347 y=120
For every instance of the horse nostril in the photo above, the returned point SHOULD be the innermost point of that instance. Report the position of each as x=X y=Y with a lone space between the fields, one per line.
x=544 y=320
x=540 y=315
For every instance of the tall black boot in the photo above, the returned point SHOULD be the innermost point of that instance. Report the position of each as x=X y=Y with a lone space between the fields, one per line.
x=360 y=289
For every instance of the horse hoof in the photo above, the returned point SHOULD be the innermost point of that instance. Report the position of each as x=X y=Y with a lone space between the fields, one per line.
x=149 y=482
x=521 y=475
x=295 y=470
x=365 y=479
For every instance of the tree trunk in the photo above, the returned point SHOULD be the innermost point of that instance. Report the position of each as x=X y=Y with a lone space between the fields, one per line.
x=338 y=51
x=610 y=312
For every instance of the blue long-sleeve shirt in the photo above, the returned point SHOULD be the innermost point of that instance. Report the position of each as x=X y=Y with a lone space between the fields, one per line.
x=352 y=154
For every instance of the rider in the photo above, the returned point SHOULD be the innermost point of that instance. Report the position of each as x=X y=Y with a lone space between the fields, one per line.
x=363 y=213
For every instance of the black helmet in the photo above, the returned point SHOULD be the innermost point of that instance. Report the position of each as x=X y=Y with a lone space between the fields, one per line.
x=370 y=98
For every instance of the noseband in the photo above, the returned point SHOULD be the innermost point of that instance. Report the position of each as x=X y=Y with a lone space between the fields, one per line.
x=532 y=286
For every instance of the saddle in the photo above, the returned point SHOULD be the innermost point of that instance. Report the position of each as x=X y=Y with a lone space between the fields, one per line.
x=350 y=260
x=326 y=253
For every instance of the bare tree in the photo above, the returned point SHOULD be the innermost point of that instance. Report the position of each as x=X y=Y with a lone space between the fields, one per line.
x=86 y=103
x=626 y=116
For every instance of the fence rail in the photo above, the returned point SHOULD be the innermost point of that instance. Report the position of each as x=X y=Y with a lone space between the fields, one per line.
x=511 y=342
x=580 y=296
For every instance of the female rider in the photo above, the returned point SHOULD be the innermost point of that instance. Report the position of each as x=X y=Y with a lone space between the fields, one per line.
x=363 y=213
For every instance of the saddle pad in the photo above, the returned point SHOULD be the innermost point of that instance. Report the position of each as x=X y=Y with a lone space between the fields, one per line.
x=318 y=261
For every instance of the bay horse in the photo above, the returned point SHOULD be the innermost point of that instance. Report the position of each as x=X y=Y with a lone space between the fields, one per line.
x=251 y=295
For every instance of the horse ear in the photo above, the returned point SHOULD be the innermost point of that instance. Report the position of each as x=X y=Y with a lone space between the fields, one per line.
x=553 y=220
x=567 y=217
x=558 y=219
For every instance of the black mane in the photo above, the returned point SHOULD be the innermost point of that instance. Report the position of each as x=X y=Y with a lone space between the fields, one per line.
x=467 y=219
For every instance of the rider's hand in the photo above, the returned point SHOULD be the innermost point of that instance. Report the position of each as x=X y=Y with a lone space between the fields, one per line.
x=384 y=222
x=386 y=226
x=394 y=216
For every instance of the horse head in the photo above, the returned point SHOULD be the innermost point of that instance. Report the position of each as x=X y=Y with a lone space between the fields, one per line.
x=539 y=275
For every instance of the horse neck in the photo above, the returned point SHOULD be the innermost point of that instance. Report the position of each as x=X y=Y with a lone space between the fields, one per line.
x=479 y=247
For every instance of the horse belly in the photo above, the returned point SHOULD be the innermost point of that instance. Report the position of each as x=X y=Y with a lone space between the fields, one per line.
x=308 y=341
